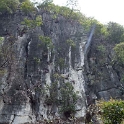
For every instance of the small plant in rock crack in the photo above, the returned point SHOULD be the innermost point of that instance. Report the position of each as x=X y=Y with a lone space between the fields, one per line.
x=32 y=23
x=56 y=75
x=71 y=43
x=101 y=48
x=53 y=93
x=37 y=60
x=46 y=41
x=61 y=62
x=68 y=99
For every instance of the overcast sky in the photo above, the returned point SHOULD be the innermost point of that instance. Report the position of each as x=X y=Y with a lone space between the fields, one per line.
x=102 y=10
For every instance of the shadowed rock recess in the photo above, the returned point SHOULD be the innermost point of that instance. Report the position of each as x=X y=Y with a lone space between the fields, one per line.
x=38 y=81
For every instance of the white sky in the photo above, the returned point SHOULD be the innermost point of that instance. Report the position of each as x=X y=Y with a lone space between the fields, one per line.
x=102 y=10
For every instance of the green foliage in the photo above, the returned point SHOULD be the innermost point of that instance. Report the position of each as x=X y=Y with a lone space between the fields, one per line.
x=101 y=30
x=38 y=21
x=52 y=98
x=112 y=111
x=56 y=75
x=101 y=48
x=27 y=7
x=61 y=62
x=68 y=98
x=68 y=13
x=37 y=59
x=1 y=39
x=29 y=23
x=85 y=21
x=1 y=42
x=23 y=1
x=70 y=43
x=8 y=6
x=73 y=4
x=119 y=50
x=122 y=121
x=62 y=10
x=47 y=1
x=116 y=32
x=74 y=16
x=122 y=79
x=46 y=41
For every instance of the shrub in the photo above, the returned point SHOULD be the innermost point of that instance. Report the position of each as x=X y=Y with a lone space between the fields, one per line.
x=46 y=41
x=119 y=50
x=116 y=32
x=101 y=48
x=70 y=43
x=29 y=23
x=1 y=39
x=68 y=99
x=52 y=98
x=61 y=62
x=101 y=30
x=112 y=111
x=27 y=7
x=8 y=6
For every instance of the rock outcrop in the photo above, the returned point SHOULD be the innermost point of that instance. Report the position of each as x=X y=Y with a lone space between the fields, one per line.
x=103 y=73
x=53 y=71
x=32 y=67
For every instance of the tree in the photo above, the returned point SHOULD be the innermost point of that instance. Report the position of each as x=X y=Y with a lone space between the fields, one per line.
x=119 y=50
x=27 y=6
x=47 y=1
x=116 y=32
x=42 y=1
x=73 y=4
x=8 y=6
x=68 y=99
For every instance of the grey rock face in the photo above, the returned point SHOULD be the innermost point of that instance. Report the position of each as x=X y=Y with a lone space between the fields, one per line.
x=31 y=68
x=31 y=71
x=104 y=74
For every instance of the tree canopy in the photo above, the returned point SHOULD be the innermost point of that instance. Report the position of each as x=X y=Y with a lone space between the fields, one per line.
x=116 y=32
x=119 y=50
x=8 y=6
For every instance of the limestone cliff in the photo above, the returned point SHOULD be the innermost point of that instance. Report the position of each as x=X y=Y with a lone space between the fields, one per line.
x=103 y=74
x=53 y=71
x=32 y=72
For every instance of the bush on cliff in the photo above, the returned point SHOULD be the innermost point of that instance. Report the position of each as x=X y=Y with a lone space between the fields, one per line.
x=112 y=112
x=116 y=32
x=27 y=7
x=23 y=1
x=8 y=6
x=119 y=50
